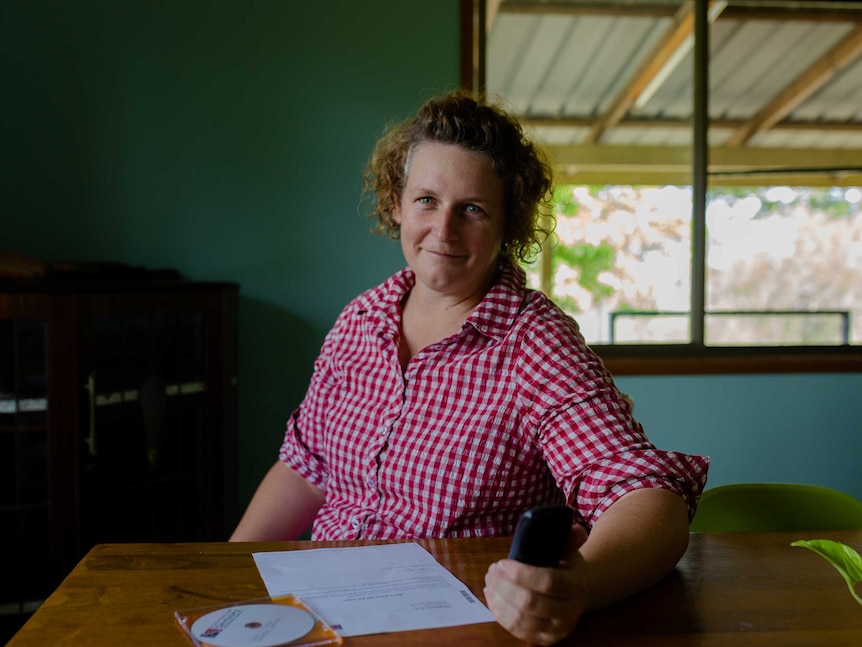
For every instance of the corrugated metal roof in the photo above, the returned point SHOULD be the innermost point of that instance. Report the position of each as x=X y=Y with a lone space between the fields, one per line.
x=782 y=76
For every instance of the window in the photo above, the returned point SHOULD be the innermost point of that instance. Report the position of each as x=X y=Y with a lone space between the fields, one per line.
x=783 y=264
x=709 y=213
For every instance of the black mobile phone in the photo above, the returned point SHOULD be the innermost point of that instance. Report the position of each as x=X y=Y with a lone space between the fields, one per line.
x=542 y=535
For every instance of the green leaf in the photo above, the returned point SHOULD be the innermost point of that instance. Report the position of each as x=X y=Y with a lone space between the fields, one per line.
x=846 y=560
x=590 y=261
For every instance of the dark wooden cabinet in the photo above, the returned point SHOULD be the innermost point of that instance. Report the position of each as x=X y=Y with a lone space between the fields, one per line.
x=117 y=422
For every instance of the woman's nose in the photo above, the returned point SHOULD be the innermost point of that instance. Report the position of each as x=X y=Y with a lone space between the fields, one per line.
x=446 y=223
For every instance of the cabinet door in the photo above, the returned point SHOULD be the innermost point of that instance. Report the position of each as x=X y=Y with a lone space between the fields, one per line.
x=151 y=457
x=25 y=502
x=36 y=455
x=117 y=423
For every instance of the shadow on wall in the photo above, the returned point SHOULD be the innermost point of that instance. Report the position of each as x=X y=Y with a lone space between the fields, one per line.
x=276 y=357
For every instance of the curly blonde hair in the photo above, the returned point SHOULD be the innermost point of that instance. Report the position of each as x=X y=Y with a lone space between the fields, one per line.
x=463 y=119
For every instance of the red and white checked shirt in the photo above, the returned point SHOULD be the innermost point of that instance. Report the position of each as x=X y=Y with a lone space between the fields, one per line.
x=511 y=412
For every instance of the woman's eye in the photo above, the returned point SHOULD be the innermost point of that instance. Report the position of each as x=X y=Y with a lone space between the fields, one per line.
x=472 y=209
x=426 y=200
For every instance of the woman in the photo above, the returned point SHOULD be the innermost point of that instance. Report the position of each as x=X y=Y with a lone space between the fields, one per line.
x=450 y=399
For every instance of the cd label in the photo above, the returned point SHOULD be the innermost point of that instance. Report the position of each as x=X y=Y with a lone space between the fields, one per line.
x=253 y=625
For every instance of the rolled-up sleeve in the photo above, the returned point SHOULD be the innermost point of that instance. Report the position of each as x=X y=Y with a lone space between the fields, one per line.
x=304 y=431
x=591 y=442
x=598 y=452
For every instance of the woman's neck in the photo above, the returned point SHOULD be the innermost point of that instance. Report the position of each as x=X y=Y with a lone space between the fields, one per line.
x=427 y=321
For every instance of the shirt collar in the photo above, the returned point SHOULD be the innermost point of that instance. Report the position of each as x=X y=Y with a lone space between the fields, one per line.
x=384 y=302
x=494 y=315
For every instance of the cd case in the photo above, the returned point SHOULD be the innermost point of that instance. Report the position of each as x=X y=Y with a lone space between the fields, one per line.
x=263 y=622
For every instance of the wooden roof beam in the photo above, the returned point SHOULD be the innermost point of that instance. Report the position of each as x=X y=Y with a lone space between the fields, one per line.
x=492 y=8
x=679 y=31
x=655 y=68
x=686 y=124
x=721 y=158
x=807 y=84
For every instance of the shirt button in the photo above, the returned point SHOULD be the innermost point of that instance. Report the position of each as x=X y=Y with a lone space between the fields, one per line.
x=370 y=481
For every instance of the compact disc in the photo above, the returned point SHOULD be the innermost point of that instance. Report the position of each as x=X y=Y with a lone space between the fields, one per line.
x=252 y=625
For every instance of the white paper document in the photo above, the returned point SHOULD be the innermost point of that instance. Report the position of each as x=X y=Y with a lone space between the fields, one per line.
x=372 y=589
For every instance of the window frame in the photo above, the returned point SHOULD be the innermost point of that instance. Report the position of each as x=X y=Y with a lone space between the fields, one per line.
x=694 y=357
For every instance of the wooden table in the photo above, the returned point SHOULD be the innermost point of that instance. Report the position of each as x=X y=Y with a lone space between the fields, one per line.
x=740 y=589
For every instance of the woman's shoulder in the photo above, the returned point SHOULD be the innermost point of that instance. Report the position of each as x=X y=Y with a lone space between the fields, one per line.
x=541 y=318
x=379 y=303
x=550 y=337
x=383 y=295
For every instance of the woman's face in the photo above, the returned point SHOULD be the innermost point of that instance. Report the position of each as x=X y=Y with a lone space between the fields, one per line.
x=451 y=215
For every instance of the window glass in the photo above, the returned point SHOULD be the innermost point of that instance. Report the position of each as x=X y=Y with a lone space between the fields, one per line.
x=608 y=88
x=621 y=264
x=784 y=266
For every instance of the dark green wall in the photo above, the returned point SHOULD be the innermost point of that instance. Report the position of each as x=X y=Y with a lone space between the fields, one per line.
x=222 y=138
x=227 y=138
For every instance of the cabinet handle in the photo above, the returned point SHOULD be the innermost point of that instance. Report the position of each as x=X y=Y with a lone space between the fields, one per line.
x=91 y=388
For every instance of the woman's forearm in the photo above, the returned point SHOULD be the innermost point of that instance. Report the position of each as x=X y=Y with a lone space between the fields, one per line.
x=283 y=507
x=634 y=544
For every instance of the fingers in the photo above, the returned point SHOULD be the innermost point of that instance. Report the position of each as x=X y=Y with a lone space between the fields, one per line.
x=538 y=591
x=535 y=629
x=518 y=580
x=539 y=605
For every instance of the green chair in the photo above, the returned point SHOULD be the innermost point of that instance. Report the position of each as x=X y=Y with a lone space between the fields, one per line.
x=775 y=506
